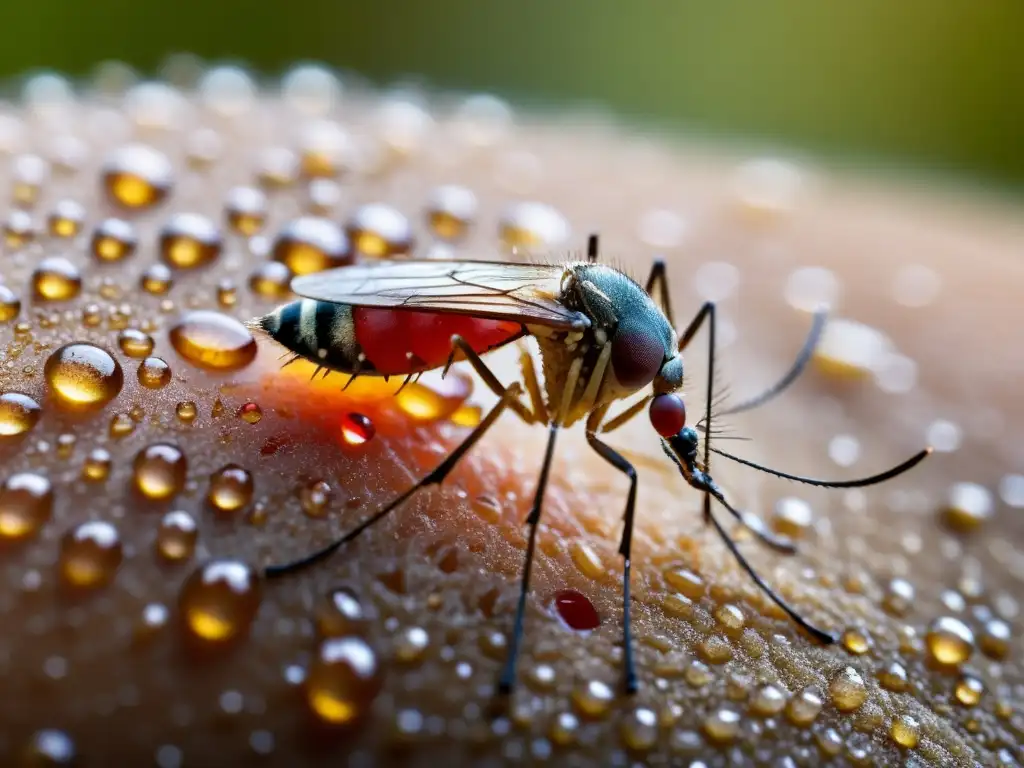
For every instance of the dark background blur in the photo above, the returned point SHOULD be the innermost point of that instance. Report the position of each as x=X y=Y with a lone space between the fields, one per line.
x=934 y=84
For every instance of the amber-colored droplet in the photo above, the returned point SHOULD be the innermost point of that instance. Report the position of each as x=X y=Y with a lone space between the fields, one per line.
x=323 y=196
x=227 y=294
x=66 y=443
x=325 y=150
x=90 y=555
x=186 y=411
x=271 y=280
x=231 y=488
x=995 y=639
x=56 y=279
x=715 y=649
x=357 y=429
x=277 y=168
x=893 y=677
x=899 y=596
x=856 y=641
x=379 y=231
x=157 y=279
x=219 y=601
x=586 y=560
x=315 y=497
x=949 y=641
x=905 y=731
x=730 y=617
x=121 y=425
x=531 y=225
x=312 y=244
x=137 y=176
x=212 y=340
x=10 y=304
x=154 y=373
x=28 y=175
x=246 y=210
x=26 y=503
x=411 y=645
x=639 y=729
x=969 y=690
x=250 y=413
x=593 y=698
x=768 y=700
x=687 y=582
x=19 y=229
x=135 y=343
x=339 y=613
x=83 y=376
x=968 y=505
x=792 y=517
x=96 y=467
x=467 y=415
x=18 y=414
x=722 y=725
x=803 y=709
x=159 y=471
x=343 y=680
x=66 y=219
x=850 y=350
x=176 y=536
x=437 y=401
x=847 y=690
x=189 y=241
x=576 y=610
x=113 y=240
x=451 y=211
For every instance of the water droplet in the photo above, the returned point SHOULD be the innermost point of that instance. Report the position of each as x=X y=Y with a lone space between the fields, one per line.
x=312 y=244
x=905 y=731
x=10 y=304
x=944 y=436
x=311 y=90
x=716 y=280
x=768 y=188
x=49 y=747
x=212 y=340
x=451 y=211
x=154 y=373
x=1011 y=487
x=768 y=700
x=995 y=638
x=899 y=596
x=18 y=414
x=156 y=279
x=277 y=168
x=227 y=91
x=245 y=209
x=856 y=641
x=339 y=614
x=90 y=555
x=969 y=690
x=325 y=150
x=586 y=560
x=593 y=698
x=687 y=582
x=893 y=677
x=563 y=729
x=715 y=649
x=812 y=288
x=135 y=343
x=28 y=175
x=803 y=709
x=96 y=467
x=576 y=610
x=189 y=241
x=844 y=450
x=437 y=401
x=847 y=690
x=66 y=219
x=26 y=504
x=271 y=280
x=343 y=680
x=230 y=489
x=137 y=176
x=357 y=429
x=56 y=279
x=850 y=350
x=722 y=725
x=186 y=411
x=968 y=505
x=83 y=376
x=730 y=617
x=639 y=729
x=411 y=645
x=916 y=286
x=176 y=536
x=219 y=601
x=949 y=641
x=379 y=231
x=159 y=471
x=315 y=497
x=533 y=225
x=19 y=229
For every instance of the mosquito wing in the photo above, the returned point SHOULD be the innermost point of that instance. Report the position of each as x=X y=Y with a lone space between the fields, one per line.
x=524 y=293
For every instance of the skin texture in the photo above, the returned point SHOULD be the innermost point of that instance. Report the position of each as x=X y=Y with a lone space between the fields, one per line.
x=449 y=565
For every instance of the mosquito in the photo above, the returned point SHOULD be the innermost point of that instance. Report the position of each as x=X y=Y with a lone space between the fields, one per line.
x=602 y=337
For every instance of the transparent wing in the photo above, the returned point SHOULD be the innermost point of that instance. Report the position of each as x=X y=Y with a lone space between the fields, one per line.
x=525 y=293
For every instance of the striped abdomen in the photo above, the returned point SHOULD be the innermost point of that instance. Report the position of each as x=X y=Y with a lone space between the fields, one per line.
x=379 y=340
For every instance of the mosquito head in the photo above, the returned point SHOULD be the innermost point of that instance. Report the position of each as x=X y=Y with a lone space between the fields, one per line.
x=684 y=444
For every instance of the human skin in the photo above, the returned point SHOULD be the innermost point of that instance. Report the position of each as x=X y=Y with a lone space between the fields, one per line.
x=81 y=664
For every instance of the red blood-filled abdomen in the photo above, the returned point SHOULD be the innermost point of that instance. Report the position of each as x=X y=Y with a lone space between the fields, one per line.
x=399 y=341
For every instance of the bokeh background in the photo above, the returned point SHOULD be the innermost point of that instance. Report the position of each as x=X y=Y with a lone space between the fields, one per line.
x=936 y=87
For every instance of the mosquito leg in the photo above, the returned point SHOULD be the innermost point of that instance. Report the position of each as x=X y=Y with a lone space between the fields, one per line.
x=508 y=674
x=659 y=278
x=627 y=414
x=625 y=547
x=592 y=249
x=532 y=384
x=485 y=373
x=798 y=366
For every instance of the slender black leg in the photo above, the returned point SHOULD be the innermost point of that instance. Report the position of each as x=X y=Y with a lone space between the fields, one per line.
x=659 y=278
x=592 y=249
x=508 y=674
x=625 y=547
x=706 y=310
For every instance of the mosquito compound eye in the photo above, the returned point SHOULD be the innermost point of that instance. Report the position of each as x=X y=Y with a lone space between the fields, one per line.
x=668 y=414
x=636 y=356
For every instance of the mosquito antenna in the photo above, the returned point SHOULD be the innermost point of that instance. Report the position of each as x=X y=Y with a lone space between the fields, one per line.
x=592 y=248
x=791 y=375
x=899 y=469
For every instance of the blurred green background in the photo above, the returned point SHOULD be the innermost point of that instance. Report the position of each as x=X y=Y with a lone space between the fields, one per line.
x=935 y=84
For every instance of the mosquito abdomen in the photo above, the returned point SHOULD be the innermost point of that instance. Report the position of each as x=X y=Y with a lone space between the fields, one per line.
x=319 y=331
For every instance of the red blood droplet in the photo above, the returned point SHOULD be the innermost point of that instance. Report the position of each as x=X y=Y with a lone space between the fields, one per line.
x=576 y=610
x=357 y=429
x=668 y=414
